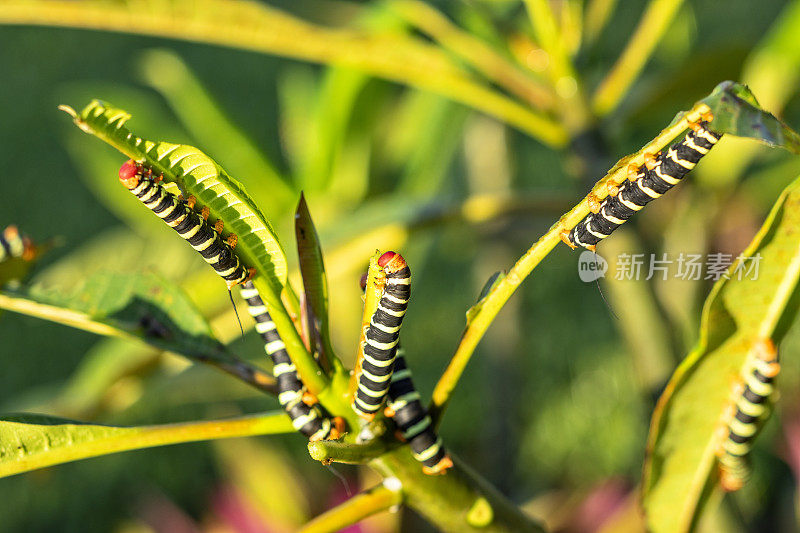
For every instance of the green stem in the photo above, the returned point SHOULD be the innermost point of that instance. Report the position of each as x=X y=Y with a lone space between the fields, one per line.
x=488 y=61
x=457 y=501
x=497 y=298
x=357 y=508
x=331 y=451
x=654 y=23
x=257 y=27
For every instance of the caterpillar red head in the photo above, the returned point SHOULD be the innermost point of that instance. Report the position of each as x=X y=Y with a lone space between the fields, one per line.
x=130 y=174
x=391 y=262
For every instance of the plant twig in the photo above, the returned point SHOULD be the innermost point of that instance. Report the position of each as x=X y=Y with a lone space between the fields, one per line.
x=500 y=294
x=654 y=23
x=380 y=498
x=257 y=27
x=331 y=451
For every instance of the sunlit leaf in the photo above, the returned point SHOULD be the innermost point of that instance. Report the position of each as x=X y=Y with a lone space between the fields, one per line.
x=134 y=306
x=198 y=175
x=738 y=312
x=30 y=441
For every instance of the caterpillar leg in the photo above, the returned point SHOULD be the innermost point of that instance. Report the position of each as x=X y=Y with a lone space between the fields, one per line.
x=594 y=203
x=650 y=160
x=191 y=201
x=566 y=240
x=612 y=189
x=219 y=225
x=338 y=429
x=439 y=468
x=309 y=399
x=205 y=212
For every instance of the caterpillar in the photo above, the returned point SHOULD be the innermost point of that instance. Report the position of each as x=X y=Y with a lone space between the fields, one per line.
x=382 y=334
x=14 y=244
x=414 y=425
x=307 y=417
x=745 y=415
x=181 y=217
x=659 y=174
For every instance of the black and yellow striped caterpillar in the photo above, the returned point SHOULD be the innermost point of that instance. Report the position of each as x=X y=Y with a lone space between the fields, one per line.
x=746 y=414
x=383 y=332
x=192 y=226
x=659 y=174
x=307 y=416
x=413 y=422
x=14 y=244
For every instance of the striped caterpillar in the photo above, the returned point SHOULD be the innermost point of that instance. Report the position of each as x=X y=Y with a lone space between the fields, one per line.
x=307 y=417
x=412 y=419
x=659 y=174
x=382 y=334
x=193 y=227
x=414 y=424
x=14 y=244
x=745 y=416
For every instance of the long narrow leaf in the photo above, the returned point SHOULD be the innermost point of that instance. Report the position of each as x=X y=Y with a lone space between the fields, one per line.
x=135 y=306
x=30 y=441
x=739 y=311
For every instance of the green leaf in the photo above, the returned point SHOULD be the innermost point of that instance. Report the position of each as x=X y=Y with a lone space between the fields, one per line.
x=134 y=306
x=737 y=112
x=198 y=175
x=737 y=313
x=493 y=281
x=315 y=283
x=30 y=441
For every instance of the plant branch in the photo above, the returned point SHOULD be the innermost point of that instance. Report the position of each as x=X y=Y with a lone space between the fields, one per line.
x=331 y=451
x=654 y=23
x=459 y=501
x=499 y=295
x=257 y=27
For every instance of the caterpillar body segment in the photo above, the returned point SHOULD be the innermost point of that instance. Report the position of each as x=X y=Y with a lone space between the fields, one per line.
x=406 y=409
x=307 y=416
x=746 y=414
x=644 y=184
x=180 y=216
x=414 y=425
x=14 y=244
x=381 y=337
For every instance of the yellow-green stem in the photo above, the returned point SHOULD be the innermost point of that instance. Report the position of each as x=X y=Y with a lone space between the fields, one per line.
x=357 y=508
x=505 y=288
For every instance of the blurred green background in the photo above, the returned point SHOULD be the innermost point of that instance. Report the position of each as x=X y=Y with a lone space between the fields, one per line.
x=554 y=407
